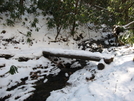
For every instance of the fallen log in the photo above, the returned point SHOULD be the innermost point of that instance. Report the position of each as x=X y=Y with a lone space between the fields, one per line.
x=101 y=66
x=6 y=56
x=2 y=65
x=77 y=54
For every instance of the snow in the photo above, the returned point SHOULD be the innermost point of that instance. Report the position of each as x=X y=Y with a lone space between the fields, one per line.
x=45 y=80
x=77 y=53
x=114 y=83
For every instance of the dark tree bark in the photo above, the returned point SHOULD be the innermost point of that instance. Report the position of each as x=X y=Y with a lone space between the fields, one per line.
x=101 y=66
x=21 y=2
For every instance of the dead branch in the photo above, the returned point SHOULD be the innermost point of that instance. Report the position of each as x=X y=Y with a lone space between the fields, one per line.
x=6 y=56
x=127 y=25
x=22 y=33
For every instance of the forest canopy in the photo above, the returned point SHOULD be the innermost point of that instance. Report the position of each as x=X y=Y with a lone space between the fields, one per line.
x=71 y=13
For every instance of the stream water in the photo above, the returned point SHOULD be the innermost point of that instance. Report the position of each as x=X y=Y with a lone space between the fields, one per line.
x=59 y=81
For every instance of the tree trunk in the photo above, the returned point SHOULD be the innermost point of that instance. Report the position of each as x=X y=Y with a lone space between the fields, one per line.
x=21 y=2
x=58 y=32
x=74 y=17
x=73 y=28
x=80 y=55
x=21 y=6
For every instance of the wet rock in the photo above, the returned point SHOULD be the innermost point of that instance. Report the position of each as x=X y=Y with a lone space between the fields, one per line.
x=3 y=32
x=6 y=97
x=91 y=78
x=21 y=59
x=108 y=61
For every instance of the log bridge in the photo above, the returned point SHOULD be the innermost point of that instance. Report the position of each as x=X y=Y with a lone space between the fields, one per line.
x=78 y=54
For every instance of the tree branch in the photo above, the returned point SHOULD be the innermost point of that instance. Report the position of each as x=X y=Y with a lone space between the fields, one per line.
x=22 y=33
x=125 y=26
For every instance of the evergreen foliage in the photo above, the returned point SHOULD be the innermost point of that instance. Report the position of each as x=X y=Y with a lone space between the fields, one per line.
x=13 y=70
x=70 y=14
x=127 y=38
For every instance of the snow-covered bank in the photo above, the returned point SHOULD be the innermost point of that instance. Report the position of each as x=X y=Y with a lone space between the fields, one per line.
x=114 y=83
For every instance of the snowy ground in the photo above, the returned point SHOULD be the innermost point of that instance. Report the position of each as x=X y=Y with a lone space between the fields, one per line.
x=114 y=83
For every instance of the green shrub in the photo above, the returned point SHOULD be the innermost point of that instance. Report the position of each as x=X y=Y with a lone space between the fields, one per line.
x=35 y=21
x=29 y=34
x=29 y=40
x=127 y=38
x=13 y=70
x=10 y=22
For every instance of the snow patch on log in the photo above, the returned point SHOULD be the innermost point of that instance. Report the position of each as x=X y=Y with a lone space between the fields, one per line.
x=78 y=54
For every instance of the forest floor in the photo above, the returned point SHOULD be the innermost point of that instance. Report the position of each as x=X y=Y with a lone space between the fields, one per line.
x=62 y=79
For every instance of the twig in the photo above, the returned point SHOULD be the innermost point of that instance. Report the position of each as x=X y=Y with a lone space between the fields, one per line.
x=101 y=8
x=21 y=33
x=129 y=28
x=4 y=74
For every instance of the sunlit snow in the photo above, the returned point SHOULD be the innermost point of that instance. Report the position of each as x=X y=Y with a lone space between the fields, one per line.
x=114 y=83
